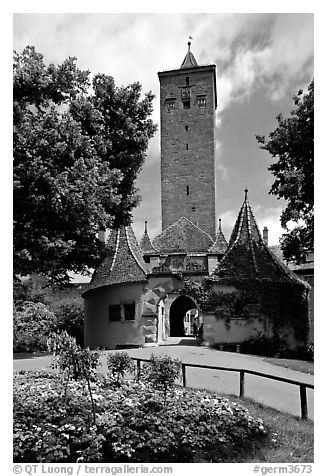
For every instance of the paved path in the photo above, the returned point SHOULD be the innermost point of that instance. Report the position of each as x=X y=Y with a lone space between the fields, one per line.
x=279 y=395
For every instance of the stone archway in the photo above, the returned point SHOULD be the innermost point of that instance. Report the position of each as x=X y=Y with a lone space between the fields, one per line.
x=178 y=309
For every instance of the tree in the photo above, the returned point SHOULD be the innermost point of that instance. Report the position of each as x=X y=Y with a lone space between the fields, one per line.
x=77 y=153
x=292 y=142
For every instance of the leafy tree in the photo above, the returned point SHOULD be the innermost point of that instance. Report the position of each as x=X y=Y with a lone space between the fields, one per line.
x=77 y=153
x=292 y=143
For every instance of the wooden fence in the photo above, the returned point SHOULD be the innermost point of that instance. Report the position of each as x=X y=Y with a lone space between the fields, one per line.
x=302 y=386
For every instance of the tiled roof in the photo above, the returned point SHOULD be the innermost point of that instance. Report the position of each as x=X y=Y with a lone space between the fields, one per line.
x=220 y=245
x=123 y=263
x=183 y=237
x=189 y=60
x=146 y=244
x=307 y=265
x=248 y=256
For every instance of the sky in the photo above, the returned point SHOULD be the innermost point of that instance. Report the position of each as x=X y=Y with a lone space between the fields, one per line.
x=262 y=61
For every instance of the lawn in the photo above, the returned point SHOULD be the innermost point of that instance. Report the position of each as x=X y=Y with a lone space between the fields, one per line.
x=292 y=439
x=299 y=365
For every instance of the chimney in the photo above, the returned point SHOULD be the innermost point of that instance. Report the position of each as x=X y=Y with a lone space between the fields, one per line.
x=265 y=235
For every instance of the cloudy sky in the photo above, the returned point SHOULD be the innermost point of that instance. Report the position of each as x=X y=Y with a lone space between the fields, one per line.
x=262 y=60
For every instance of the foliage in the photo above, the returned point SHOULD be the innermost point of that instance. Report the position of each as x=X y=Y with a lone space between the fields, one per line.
x=70 y=318
x=132 y=423
x=77 y=153
x=292 y=142
x=73 y=361
x=284 y=304
x=119 y=363
x=162 y=373
x=32 y=324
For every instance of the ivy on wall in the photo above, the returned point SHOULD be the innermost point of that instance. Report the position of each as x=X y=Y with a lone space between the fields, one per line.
x=284 y=303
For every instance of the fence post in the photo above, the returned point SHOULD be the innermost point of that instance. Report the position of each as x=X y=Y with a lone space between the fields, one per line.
x=184 y=374
x=304 y=406
x=138 y=371
x=242 y=383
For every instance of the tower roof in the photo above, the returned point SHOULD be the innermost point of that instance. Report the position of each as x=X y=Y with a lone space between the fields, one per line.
x=183 y=237
x=189 y=60
x=220 y=245
x=248 y=256
x=123 y=262
x=146 y=244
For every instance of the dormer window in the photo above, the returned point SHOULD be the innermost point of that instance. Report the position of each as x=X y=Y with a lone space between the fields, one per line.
x=202 y=100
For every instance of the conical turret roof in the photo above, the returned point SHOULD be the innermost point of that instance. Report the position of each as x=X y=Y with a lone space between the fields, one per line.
x=123 y=263
x=220 y=245
x=248 y=256
x=189 y=60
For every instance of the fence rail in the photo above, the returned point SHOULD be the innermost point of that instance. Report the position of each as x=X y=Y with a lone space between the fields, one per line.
x=302 y=385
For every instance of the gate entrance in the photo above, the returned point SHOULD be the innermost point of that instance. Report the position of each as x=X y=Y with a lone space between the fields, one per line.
x=177 y=313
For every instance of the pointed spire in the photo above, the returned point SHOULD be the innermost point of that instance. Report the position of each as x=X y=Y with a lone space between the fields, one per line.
x=189 y=60
x=220 y=245
x=248 y=256
x=146 y=244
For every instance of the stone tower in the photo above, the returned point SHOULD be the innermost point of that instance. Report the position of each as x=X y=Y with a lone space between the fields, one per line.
x=188 y=100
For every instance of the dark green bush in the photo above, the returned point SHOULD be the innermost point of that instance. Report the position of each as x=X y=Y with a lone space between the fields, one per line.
x=119 y=363
x=132 y=423
x=70 y=318
x=32 y=324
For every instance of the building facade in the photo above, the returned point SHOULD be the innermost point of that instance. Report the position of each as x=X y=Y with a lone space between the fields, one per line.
x=143 y=293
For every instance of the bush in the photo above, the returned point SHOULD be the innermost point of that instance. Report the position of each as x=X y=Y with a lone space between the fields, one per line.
x=132 y=423
x=119 y=364
x=162 y=373
x=32 y=324
x=70 y=318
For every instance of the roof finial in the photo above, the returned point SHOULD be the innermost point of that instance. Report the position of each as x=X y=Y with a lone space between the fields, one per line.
x=145 y=226
x=246 y=193
x=219 y=224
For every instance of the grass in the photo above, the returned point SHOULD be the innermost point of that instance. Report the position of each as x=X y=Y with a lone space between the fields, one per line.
x=299 y=365
x=291 y=439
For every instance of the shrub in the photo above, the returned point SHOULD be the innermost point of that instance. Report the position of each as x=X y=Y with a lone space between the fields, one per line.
x=119 y=364
x=70 y=318
x=32 y=324
x=73 y=361
x=132 y=424
x=162 y=373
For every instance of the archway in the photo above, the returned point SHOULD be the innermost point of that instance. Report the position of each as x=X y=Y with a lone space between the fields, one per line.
x=178 y=309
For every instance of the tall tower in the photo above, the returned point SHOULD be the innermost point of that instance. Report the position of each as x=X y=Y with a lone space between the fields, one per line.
x=188 y=100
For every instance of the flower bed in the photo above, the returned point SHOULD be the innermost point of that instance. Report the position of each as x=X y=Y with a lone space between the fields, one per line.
x=53 y=423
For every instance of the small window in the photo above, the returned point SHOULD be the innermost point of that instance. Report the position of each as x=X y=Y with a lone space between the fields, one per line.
x=193 y=209
x=186 y=146
x=129 y=312
x=202 y=101
x=187 y=81
x=186 y=128
x=147 y=259
x=170 y=105
x=187 y=190
x=114 y=313
x=187 y=104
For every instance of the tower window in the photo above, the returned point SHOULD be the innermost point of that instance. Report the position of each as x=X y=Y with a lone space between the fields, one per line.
x=193 y=209
x=187 y=190
x=187 y=104
x=202 y=101
x=170 y=105
x=186 y=146
x=187 y=80
x=186 y=128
